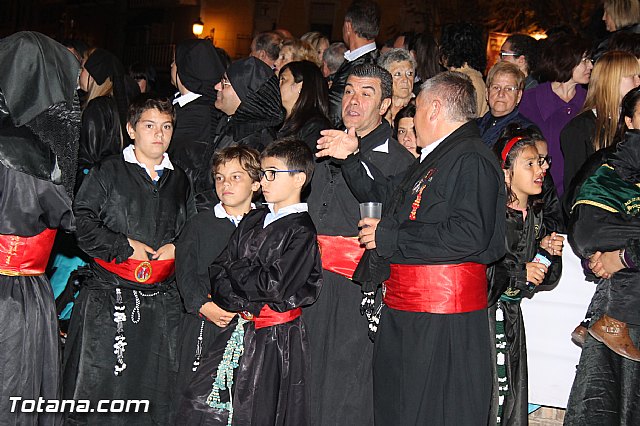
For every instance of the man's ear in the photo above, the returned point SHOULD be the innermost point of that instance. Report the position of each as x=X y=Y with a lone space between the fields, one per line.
x=384 y=106
x=255 y=186
x=435 y=109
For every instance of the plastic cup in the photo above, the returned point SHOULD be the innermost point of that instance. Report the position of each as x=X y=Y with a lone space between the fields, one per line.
x=371 y=209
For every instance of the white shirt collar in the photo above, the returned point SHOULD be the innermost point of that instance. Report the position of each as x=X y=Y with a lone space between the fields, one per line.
x=383 y=147
x=221 y=213
x=130 y=157
x=352 y=55
x=429 y=148
x=285 y=211
x=185 y=99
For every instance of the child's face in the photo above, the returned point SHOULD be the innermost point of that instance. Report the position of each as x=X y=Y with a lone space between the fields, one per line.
x=526 y=174
x=543 y=154
x=234 y=185
x=152 y=135
x=285 y=188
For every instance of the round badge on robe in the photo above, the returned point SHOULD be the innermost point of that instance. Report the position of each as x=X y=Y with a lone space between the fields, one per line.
x=143 y=272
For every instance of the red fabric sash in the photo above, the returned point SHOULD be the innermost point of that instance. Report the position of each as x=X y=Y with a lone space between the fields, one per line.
x=140 y=271
x=20 y=256
x=340 y=254
x=269 y=317
x=437 y=289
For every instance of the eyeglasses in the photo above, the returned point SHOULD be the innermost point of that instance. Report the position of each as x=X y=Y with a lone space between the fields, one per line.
x=270 y=175
x=503 y=54
x=400 y=74
x=508 y=90
x=586 y=61
x=545 y=159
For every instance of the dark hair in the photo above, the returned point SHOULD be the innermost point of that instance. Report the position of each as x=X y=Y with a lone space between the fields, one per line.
x=364 y=16
x=314 y=96
x=407 y=112
x=528 y=138
x=409 y=40
x=78 y=45
x=626 y=42
x=141 y=71
x=427 y=56
x=560 y=55
x=294 y=153
x=462 y=43
x=333 y=56
x=224 y=57
x=146 y=101
x=457 y=94
x=270 y=43
x=630 y=104
x=527 y=46
x=375 y=71
x=249 y=159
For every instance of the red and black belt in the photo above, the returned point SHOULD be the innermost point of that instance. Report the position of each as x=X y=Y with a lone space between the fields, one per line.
x=340 y=254
x=140 y=271
x=25 y=256
x=268 y=317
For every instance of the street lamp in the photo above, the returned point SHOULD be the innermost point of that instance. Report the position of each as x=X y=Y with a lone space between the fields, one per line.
x=198 y=27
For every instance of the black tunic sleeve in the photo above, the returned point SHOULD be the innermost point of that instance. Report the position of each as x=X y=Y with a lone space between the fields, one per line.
x=576 y=140
x=201 y=242
x=94 y=238
x=286 y=273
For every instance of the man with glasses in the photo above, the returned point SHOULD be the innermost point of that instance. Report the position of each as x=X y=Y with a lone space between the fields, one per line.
x=249 y=96
x=521 y=50
x=341 y=352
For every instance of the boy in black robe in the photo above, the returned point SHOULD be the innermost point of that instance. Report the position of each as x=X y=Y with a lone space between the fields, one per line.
x=269 y=270
x=123 y=331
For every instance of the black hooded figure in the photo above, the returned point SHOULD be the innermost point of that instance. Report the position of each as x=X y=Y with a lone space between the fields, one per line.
x=197 y=68
x=39 y=129
x=254 y=123
x=104 y=115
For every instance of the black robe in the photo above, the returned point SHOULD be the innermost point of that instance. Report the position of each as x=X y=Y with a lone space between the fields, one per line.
x=508 y=282
x=280 y=266
x=100 y=135
x=433 y=368
x=341 y=351
x=116 y=201
x=576 y=141
x=605 y=389
x=203 y=239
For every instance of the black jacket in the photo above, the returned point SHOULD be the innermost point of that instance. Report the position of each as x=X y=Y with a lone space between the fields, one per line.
x=576 y=141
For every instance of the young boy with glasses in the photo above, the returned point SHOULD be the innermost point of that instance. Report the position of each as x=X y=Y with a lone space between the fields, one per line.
x=269 y=270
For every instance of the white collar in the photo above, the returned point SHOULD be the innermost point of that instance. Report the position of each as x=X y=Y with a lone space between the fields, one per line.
x=285 y=211
x=352 y=55
x=130 y=157
x=383 y=147
x=429 y=148
x=185 y=99
x=221 y=213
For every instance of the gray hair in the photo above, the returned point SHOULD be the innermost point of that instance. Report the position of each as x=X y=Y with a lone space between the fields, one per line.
x=457 y=94
x=333 y=56
x=396 y=55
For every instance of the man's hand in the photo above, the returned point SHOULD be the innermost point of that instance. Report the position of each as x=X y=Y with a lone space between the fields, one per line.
x=167 y=251
x=367 y=234
x=216 y=314
x=140 y=250
x=604 y=265
x=536 y=272
x=337 y=144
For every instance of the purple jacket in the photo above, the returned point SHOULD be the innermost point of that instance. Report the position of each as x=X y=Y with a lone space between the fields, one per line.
x=550 y=113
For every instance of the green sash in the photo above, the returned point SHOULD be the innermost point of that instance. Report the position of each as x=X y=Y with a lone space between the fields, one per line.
x=605 y=189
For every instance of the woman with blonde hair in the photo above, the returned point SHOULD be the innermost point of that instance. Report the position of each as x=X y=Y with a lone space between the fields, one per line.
x=620 y=16
x=104 y=110
x=613 y=76
x=318 y=42
x=295 y=50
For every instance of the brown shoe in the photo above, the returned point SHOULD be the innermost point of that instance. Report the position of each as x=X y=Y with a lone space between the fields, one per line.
x=579 y=334
x=615 y=335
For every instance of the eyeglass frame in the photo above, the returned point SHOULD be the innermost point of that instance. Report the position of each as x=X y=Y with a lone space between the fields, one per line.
x=504 y=53
x=504 y=89
x=263 y=173
x=224 y=81
x=545 y=159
